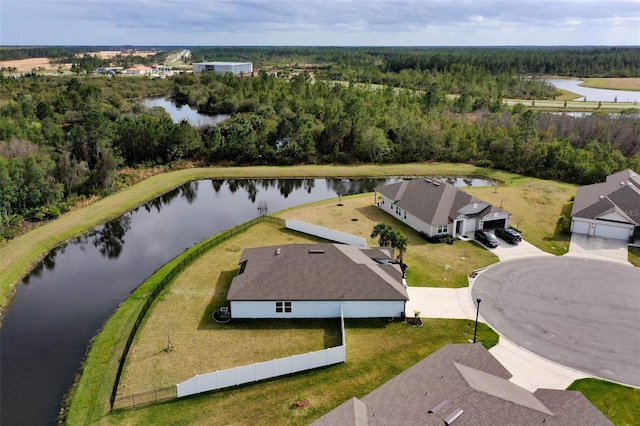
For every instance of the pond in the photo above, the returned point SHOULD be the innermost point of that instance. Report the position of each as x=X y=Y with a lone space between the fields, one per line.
x=184 y=112
x=65 y=300
x=592 y=94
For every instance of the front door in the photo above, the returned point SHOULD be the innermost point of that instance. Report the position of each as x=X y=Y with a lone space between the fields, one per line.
x=459 y=227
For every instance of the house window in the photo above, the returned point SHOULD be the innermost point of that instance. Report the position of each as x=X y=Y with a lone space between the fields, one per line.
x=443 y=229
x=405 y=215
x=283 y=307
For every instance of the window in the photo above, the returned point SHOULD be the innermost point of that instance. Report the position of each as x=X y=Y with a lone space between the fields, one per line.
x=443 y=229
x=283 y=307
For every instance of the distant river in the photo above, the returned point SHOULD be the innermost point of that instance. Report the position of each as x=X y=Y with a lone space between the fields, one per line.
x=591 y=94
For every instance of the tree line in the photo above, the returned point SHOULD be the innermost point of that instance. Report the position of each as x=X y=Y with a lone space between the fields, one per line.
x=67 y=137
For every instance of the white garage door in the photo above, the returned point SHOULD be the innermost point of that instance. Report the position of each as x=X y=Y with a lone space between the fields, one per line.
x=610 y=231
x=580 y=227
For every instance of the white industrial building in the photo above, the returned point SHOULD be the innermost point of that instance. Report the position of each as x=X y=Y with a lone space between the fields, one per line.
x=235 y=68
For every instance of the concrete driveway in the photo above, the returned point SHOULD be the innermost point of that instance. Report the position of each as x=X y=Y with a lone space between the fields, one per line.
x=506 y=251
x=610 y=249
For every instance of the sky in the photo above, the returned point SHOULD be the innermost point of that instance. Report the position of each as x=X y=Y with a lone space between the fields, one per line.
x=320 y=23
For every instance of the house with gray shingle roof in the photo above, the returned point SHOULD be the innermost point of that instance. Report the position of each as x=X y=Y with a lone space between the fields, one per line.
x=436 y=207
x=609 y=209
x=317 y=281
x=462 y=384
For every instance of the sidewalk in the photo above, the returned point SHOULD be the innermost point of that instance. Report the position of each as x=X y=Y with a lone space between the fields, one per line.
x=529 y=370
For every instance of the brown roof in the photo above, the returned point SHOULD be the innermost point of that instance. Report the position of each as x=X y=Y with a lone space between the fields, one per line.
x=317 y=272
x=620 y=193
x=464 y=384
x=434 y=201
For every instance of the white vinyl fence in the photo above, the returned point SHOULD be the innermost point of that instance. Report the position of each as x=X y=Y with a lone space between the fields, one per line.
x=264 y=370
x=326 y=233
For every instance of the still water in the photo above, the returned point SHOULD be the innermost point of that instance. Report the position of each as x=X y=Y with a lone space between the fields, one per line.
x=184 y=112
x=591 y=94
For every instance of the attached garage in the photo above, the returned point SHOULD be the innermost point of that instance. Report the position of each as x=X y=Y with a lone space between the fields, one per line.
x=493 y=224
x=580 y=226
x=612 y=231
x=608 y=209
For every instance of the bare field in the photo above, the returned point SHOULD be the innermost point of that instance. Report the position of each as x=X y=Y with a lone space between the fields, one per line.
x=630 y=83
x=26 y=65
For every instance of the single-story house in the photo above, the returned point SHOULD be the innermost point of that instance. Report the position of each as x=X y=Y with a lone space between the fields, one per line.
x=317 y=281
x=609 y=209
x=138 y=70
x=436 y=207
x=462 y=384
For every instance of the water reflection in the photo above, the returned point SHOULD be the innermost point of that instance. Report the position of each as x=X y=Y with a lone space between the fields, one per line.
x=109 y=238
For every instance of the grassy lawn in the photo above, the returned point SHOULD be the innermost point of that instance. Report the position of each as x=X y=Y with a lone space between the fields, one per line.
x=535 y=206
x=19 y=255
x=631 y=83
x=183 y=314
x=377 y=350
x=430 y=265
x=634 y=256
x=621 y=404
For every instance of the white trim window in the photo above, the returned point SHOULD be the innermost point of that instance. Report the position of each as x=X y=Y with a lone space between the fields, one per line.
x=283 y=307
x=443 y=229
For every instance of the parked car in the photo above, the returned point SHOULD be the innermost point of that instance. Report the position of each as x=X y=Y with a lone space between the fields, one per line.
x=509 y=235
x=486 y=238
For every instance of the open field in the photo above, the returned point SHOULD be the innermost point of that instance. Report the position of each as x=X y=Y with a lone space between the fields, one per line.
x=26 y=65
x=630 y=83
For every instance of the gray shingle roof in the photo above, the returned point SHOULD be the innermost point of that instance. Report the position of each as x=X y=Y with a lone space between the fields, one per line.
x=433 y=201
x=620 y=193
x=466 y=378
x=317 y=272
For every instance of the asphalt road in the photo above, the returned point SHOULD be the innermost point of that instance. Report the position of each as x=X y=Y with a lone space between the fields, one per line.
x=581 y=313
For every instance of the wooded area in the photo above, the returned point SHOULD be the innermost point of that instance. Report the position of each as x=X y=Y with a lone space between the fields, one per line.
x=64 y=137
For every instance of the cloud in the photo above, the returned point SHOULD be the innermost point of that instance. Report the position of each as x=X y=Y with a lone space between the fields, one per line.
x=294 y=21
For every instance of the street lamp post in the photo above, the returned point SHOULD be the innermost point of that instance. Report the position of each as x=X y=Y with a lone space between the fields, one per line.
x=475 y=331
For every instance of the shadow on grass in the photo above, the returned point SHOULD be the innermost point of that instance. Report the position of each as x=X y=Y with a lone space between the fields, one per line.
x=218 y=299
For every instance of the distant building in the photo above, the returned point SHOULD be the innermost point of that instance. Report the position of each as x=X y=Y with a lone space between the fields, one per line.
x=138 y=70
x=235 y=68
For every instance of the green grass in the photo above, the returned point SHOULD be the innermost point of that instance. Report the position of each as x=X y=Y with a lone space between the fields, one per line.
x=634 y=256
x=631 y=84
x=621 y=404
x=377 y=350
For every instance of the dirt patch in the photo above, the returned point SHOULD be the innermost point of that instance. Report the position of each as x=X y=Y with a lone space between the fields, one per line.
x=40 y=64
x=27 y=65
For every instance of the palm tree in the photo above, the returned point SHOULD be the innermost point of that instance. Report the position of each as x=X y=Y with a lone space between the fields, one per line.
x=400 y=241
x=385 y=232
